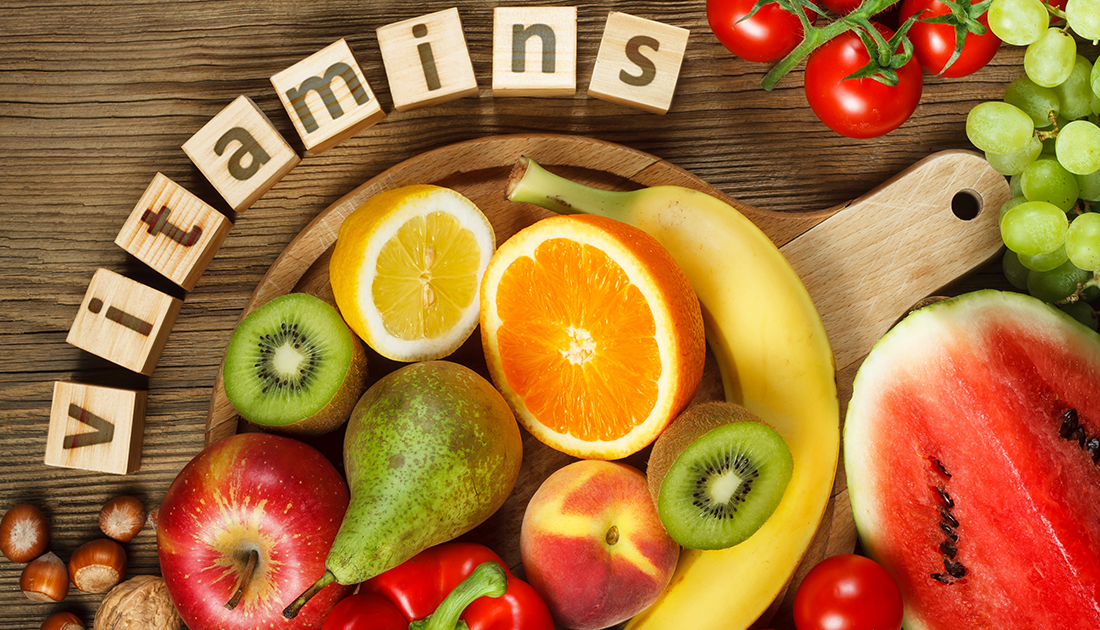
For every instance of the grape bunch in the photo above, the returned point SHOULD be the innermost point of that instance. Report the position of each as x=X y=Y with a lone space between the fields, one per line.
x=1044 y=136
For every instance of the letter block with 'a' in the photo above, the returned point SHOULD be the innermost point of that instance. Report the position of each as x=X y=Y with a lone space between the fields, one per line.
x=241 y=153
x=173 y=231
x=124 y=321
x=534 y=51
x=426 y=60
x=327 y=97
x=96 y=428
x=638 y=63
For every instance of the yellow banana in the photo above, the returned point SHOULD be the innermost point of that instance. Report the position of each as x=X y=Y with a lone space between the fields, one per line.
x=775 y=360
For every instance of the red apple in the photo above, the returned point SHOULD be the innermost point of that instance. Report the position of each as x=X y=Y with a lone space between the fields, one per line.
x=270 y=497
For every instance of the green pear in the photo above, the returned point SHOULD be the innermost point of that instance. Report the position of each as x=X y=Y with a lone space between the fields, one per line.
x=431 y=451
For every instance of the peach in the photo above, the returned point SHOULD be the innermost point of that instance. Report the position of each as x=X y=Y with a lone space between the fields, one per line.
x=593 y=546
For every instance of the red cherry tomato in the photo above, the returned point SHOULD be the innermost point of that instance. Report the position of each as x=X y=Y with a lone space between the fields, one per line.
x=933 y=44
x=858 y=108
x=767 y=36
x=848 y=592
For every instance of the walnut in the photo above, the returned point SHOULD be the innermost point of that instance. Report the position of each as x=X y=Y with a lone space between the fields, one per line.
x=140 y=603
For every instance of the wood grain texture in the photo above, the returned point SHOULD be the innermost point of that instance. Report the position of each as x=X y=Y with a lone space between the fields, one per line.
x=96 y=98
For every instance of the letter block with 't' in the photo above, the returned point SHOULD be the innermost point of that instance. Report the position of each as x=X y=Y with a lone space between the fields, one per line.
x=96 y=428
x=638 y=63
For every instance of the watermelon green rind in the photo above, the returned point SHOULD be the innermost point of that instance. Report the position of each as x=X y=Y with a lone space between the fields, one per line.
x=977 y=384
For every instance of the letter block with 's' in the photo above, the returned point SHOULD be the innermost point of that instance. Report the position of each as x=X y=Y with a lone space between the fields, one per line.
x=426 y=60
x=96 y=428
x=534 y=51
x=638 y=63
x=241 y=153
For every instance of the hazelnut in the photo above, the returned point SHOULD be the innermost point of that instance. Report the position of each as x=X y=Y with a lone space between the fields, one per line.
x=63 y=620
x=140 y=603
x=122 y=518
x=98 y=565
x=24 y=533
x=45 y=579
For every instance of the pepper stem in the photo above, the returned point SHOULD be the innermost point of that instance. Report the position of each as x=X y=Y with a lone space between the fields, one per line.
x=291 y=611
x=246 y=578
x=487 y=580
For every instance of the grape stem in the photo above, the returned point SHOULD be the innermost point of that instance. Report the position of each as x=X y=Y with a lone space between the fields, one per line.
x=1077 y=295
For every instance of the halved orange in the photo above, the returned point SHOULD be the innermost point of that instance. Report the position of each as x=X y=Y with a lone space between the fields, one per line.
x=593 y=334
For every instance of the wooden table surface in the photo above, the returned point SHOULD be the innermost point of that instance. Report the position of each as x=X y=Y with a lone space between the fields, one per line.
x=95 y=98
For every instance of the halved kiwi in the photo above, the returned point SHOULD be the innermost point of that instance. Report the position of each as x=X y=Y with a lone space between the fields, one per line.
x=717 y=473
x=293 y=366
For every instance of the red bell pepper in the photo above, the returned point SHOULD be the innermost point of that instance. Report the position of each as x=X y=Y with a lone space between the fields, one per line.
x=439 y=586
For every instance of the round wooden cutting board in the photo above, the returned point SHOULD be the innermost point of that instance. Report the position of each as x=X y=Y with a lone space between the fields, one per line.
x=864 y=263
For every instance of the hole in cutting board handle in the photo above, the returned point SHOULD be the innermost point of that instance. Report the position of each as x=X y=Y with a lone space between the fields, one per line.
x=966 y=204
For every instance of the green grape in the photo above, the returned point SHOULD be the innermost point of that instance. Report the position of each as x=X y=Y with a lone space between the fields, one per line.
x=1083 y=16
x=996 y=127
x=1047 y=180
x=1048 y=61
x=1008 y=205
x=1014 y=271
x=1083 y=241
x=1012 y=163
x=1088 y=186
x=1035 y=100
x=1034 y=228
x=1075 y=93
x=1078 y=148
x=1094 y=78
x=1045 y=262
x=1058 y=284
x=1018 y=22
x=1082 y=312
x=1095 y=104
x=1015 y=186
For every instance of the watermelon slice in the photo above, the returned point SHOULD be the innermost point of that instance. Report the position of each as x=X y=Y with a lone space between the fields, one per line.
x=970 y=448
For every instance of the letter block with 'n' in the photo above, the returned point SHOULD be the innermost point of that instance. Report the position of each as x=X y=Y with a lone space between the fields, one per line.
x=638 y=63
x=327 y=97
x=124 y=321
x=173 y=231
x=241 y=153
x=426 y=60
x=96 y=428
x=534 y=51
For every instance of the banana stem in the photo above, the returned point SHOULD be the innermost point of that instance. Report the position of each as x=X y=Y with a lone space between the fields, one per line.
x=530 y=183
x=291 y=611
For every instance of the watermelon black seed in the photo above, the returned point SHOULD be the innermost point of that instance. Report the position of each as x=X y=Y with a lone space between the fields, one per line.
x=939 y=577
x=948 y=548
x=954 y=569
x=1093 y=448
x=943 y=471
x=950 y=520
x=949 y=532
x=1079 y=436
x=1069 y=423
x=945 y=497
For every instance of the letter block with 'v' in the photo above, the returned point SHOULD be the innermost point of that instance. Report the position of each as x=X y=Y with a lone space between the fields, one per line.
x=96 y=428
x=638 y=63
x=241 y=153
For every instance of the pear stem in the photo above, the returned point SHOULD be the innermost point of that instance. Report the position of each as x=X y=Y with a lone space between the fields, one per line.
x=488 y=579
x=246 y=577
x=291 y=611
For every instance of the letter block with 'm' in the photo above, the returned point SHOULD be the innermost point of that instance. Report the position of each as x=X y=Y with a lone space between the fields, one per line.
x=327 y=97
x=638 y=63
x=173 y=231
x=241 y=153
x=96 y=428
x=124 y=321
x=426 y=60
x=534 y=51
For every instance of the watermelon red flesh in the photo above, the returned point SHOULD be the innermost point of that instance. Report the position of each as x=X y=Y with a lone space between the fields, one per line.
x=968 y=396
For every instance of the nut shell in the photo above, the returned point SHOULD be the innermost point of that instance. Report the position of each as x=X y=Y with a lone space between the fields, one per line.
x=45 y=579
x=24 y=533
x=140 y=603
x=63 y=620
x=98 y=565
x=122 y=518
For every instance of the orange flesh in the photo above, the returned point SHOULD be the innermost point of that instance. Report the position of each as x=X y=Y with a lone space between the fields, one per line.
x=570 y=314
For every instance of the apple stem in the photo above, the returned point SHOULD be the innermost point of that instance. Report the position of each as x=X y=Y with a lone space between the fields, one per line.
x=291 y=611
x=488 y=579
x=246 y=577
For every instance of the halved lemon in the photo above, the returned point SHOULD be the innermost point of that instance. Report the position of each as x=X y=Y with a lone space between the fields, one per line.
x=406 y=271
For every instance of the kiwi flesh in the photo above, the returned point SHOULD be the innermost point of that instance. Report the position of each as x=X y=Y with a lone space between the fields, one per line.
x=292 y=366
x=716 y=474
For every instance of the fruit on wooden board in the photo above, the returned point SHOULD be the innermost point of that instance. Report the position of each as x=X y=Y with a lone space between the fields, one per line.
x=406 y=270
x=717 y=474
x=971 y=448
x=245 y=526
x=431 y=451
x=24 y=533
x=592 y=333
x=140 y=603
x=593 y=546
x=775 y=361
x=292 y=366
x=848 y=592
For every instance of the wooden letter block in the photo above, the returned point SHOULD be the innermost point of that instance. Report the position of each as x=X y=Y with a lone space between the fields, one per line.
x=174 y=232
x=426 y=60
x=638 y=63
x=327 y=97
x=124 y=321
x=96 y=428
x=241 y=153
x=534 y=51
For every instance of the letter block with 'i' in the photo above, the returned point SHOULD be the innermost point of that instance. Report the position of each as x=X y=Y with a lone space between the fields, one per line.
x=241 y=153
x=327 y=97
x=96 y=428
x=638 y=63
x=426 y=60
x=173 y=231
x=534 y=51
x=124 y=321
